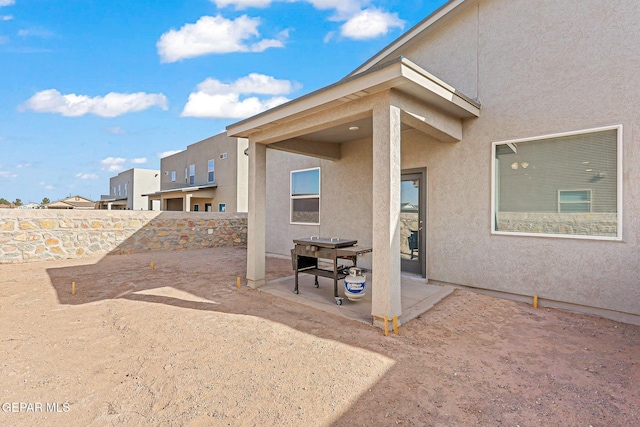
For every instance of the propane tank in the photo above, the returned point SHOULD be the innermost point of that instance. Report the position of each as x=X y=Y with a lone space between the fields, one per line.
x=354 y=284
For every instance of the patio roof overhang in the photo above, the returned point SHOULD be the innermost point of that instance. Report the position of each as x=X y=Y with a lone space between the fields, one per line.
x=325 y=116
x=182 y=190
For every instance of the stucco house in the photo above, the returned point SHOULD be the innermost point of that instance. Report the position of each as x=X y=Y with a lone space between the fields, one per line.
x=209 y=176
x=510 y=127
x=72 y=202
x=127 y=190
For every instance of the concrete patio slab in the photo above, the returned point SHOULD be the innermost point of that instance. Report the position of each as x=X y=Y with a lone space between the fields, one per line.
x=418 y=296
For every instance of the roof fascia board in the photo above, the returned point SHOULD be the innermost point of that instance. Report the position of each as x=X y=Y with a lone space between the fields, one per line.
x=383 y=77
x=428 y=25
x=377 y=79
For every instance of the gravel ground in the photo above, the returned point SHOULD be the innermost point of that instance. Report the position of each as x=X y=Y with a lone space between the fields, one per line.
x=181 y=345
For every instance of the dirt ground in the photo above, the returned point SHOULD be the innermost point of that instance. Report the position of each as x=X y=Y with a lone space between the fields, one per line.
x=181 y=345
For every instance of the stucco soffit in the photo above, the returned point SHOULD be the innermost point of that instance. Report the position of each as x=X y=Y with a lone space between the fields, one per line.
x=322 y=150
x=400 y=74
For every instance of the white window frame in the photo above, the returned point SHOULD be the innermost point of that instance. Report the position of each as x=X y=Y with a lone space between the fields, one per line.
x=211 y=169
x=173 y=176
x=192 y=174
x=560 y=202
x=291 y=197
x=618 y=237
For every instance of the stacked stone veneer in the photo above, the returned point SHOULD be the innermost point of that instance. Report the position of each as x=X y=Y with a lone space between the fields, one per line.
x=30 y=235
x=592 y=224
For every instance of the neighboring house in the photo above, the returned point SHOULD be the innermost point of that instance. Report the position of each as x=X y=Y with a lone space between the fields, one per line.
x=72 y=202
x=127 y=190
x=209 y=176
x=30 y=205
x=512 y=126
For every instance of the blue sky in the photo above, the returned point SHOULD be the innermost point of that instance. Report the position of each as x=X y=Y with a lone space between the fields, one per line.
x=89 y=88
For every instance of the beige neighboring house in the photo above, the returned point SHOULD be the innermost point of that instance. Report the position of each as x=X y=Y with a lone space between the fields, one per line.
x=128 y=189
x=72 y=202
x=209 y=176
x=510 y=129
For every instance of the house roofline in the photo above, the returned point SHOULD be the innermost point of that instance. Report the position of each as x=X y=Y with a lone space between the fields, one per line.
x=431 y=23
x=392 y=74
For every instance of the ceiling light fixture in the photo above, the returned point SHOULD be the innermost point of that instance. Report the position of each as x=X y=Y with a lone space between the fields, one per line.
x=354 y=128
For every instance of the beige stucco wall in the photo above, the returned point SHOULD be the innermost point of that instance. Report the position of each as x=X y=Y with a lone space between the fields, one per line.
x=555 y=67
x=230 y=172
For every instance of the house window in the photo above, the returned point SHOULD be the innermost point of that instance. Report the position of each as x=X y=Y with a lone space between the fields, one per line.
x=192 y=174
x=305 y=196
x=173 y=176
x=207 y=207
x=574 y=201
x=222 y=207
x=119 y=190
x=196 y=208
x=126 y=189
x=565 y=185
x=223 y=155
x=210 y=167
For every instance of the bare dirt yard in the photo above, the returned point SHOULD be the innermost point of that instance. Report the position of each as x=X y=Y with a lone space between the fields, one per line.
x=181 y=345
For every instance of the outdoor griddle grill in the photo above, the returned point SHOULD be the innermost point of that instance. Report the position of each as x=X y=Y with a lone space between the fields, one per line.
x=306 y=253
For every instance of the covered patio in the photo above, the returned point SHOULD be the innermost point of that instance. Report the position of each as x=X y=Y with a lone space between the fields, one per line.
x=417 y=296
x=377 y=105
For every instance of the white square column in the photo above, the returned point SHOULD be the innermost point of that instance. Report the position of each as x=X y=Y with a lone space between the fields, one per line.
x=386 y=291
x=256 y=216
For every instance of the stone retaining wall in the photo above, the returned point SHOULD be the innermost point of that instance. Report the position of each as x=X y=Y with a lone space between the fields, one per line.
x=591 y=224
x=31 y=235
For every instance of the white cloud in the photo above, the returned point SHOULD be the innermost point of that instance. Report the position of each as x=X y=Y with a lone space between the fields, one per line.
x=343 y=8
x=253 y=83
x=113 y=164
x=168 y=153
x=23 y=165
x=7 y=2
x=242 y=4
x=46 y=186
x=6 y=17
x=139 y=160
x=111 y=105
x=7 y=174
x=116 y=130
x=370 y=23
x=215 y=99
x=36 y=32
x=86 y=176
x=214 y=34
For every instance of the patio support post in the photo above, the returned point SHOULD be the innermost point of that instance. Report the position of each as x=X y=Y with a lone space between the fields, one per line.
x=187 y=203
x=256 y=217
x=386 y=216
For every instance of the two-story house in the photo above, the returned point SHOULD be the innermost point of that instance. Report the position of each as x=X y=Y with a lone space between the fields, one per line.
x=128 y=189
x=209 y=176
